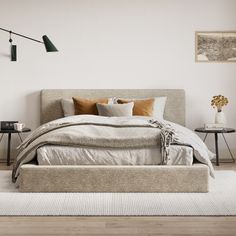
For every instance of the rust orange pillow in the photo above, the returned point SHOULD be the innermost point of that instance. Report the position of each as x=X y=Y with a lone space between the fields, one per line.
x=87 y=106
x=142 y=107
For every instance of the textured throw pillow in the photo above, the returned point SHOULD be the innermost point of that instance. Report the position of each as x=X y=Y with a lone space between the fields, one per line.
x=142 y=107
x=115 y=109
x=87 y=106
x=158 y=107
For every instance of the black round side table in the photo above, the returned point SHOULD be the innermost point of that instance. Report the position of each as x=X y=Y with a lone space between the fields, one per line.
x=9 y=132
x=216 y=132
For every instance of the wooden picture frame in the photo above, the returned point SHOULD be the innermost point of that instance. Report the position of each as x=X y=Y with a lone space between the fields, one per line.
x=215 y=46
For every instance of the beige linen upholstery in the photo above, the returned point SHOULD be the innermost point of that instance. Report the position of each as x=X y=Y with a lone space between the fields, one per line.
x=51 y=100
x=85 y=178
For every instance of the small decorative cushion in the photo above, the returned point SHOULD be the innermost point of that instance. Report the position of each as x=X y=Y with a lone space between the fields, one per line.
x=115 y=109
x=142 y=107
x=87 y=106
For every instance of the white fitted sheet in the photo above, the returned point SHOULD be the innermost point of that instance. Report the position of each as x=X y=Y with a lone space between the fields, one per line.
x=59 y=155
x=64 y=155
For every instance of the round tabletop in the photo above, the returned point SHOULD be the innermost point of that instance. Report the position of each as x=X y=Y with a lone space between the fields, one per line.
x=24 y=130
x=224 y=130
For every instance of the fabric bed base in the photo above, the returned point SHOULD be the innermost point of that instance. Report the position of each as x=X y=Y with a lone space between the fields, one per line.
x=34 y=178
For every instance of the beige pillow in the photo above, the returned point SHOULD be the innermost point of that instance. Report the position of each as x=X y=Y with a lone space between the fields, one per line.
x=87 y=106
x=115 y=109
x=142 y=107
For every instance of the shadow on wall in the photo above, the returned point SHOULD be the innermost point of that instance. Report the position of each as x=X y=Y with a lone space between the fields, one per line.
x=5 y=55
x=32 y=109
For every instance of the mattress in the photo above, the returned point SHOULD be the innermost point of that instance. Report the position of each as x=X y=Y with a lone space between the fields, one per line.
x=65 y=155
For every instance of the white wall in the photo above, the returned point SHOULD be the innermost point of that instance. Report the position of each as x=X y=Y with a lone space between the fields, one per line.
x=114 y=44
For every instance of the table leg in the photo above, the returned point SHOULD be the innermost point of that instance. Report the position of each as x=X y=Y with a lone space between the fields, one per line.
x=228 y=148
x=1 y=138
x=217 y=151
x=9 y=149
x=20 y=137
x=205 y=137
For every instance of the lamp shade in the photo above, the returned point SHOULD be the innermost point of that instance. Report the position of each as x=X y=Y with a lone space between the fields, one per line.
x=48 y=44
x=13 y=53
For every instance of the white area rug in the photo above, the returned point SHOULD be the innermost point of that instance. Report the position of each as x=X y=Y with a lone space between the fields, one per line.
x=221 y=200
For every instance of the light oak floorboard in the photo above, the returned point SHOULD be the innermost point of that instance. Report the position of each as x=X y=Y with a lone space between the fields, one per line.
x=118 y=226
x=133 y=226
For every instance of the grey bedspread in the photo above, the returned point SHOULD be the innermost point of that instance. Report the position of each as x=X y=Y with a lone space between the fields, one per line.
x=110 y=132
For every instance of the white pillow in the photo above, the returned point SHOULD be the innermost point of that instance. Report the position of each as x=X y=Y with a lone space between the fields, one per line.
x=115 y=109
x=68 y=106
x=159 y=105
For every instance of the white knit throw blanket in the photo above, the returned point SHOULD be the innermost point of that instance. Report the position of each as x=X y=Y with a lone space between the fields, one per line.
x=172 y=133
x=167 y=138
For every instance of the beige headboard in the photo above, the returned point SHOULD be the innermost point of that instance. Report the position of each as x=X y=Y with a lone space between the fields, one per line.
x=51 y=105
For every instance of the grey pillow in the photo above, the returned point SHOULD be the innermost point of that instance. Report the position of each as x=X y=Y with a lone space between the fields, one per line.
x=115 y=109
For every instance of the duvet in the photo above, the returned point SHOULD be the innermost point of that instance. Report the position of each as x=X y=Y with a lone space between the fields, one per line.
x=113 y=132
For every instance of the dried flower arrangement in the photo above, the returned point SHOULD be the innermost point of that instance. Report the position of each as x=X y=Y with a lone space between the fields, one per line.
x=218 y=102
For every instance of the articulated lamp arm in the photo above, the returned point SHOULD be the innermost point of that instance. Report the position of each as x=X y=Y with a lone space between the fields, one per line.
x=49 y=46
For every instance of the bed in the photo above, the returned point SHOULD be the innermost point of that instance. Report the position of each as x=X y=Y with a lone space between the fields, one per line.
x=113 y=178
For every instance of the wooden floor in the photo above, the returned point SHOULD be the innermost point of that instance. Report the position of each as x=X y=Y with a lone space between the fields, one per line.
x=145 y=226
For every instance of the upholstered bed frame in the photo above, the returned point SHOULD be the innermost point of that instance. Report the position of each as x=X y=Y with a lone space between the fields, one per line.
x=34 y=178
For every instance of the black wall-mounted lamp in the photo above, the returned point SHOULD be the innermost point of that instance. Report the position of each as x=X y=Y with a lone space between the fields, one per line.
x=49 y=46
